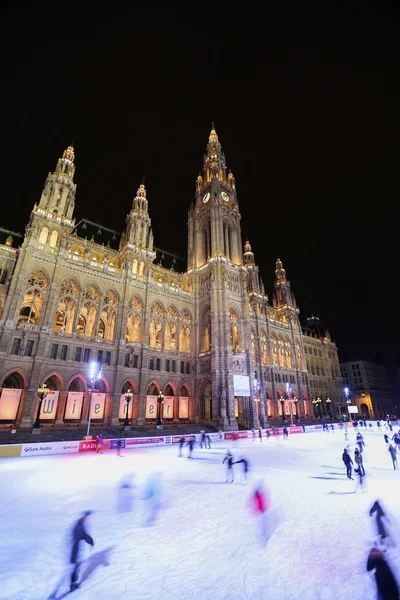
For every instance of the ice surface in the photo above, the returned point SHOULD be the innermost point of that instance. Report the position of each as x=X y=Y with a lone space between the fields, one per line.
x=205 y=541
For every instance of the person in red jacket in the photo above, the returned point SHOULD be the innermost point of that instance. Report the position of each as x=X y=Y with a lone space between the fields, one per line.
x=259 y=501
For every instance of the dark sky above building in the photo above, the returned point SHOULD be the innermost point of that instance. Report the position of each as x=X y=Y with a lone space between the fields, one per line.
x=306 y=105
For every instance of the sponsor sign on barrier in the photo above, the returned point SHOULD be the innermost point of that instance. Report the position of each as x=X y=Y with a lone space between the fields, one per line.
x=50 y=448
x=137 y=441
x=177 y=438
x=7 y=451
x=228 y=435
x=87 y=446
x=114 y=443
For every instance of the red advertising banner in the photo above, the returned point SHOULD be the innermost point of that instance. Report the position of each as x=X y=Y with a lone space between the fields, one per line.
x=177 y=438
x=74 y=404
x=97 y=405
x=135 y=441
x=183 y=407
x=89 y=446
x=229 y=435
x=9 y=402
x=122 y=407
x=168 y=407
x=49 y=406
x=151 y=407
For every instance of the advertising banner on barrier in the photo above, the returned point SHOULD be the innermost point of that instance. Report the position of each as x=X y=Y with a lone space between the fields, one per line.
x=97 y=405
x=177 y=438
x=151 y=407
x=168 y=407
x=73 y=407
x=143 y=441
x=11 y=450
x=122 y=407
x=183 y=407
x=87 y=446
x=9 y=402
x=114 y=443
x=50 y=448
x=49 y=406
x=228 y=435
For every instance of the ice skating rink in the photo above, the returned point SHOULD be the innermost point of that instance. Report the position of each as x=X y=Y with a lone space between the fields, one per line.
x=205 y=541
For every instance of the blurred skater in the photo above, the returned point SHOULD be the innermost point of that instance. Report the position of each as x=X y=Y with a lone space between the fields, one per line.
x=360 y=441
x=285 y=433
x=386 y=438
x=385 y=581
x=229 y=467
x=259 y=504
x=100 y=444
x=358 y=459
x=151 y=496
x=191 y=445
x=208 y=440
x=119 y=446
x=79 y=534
x=346 y=458
x=220 y=435
x=260 y=434
x=253 y=433
x=125 y=494
x=392 y=451
x=268 y=433
x=203 y=439
x=245 y=464
x=181 y=443
x=380 y=524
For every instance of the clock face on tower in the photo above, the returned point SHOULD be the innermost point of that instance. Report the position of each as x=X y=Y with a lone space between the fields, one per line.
x=225 y=196
x=206 y=197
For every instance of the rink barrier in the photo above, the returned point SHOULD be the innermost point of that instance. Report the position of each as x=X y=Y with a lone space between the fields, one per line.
x=83 y=446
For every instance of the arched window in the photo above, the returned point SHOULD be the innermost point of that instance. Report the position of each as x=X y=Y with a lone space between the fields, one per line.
x=253 y=345
x=32 y=302
x=133 y=332
x=43 y=236
x=108 y=315
x=207 y=339
x=289 y=361
x=66 y=308
x=264 y=348
x=53 y=239
x=156 y=325
x=135 y=266
x=88 y=311
x=59 y=197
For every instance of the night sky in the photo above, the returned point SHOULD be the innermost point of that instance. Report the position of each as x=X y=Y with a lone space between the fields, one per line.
x=306 y=106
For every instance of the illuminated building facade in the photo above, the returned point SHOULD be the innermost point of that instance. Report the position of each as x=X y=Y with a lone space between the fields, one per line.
x=207 y=336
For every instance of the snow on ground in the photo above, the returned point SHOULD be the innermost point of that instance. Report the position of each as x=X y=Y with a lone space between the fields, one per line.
x=205 y=543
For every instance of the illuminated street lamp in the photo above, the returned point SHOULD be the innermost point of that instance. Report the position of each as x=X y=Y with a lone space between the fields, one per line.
x=128 y=398
x=282 y=401
x=160 y=400
x=319 y=406
x=42 y=393
x=314 y=402
x=289 y=395
x=94 y=376
x=328 y=407
x=296 y=414
x=347 y=393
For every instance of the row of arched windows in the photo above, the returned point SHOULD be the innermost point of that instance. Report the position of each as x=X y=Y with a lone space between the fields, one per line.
x=282 y=355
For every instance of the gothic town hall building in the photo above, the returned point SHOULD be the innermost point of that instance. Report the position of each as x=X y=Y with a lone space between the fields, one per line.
x=207 y=337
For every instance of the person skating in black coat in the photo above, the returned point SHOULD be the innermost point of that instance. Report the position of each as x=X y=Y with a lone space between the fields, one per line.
x=346 y=458
x=190 y=444
x=181 y=443
x=385 y=581
x=229 y=469
x=245 y=463
x=79 y=535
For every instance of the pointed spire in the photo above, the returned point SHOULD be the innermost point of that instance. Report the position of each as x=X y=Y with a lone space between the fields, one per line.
x=69 y=154
x=280 y=273
x=213 y=135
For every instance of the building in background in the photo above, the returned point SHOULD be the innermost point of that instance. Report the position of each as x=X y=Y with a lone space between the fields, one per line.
x=205 y=336
x=370 y=389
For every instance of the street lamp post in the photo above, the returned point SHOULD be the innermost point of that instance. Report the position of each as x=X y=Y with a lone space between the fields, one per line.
x=128 y=398
x=42 y=393
x=314 y=403
x=296 y=415
x=282 y=401
x=328 y=407
x=94 y=374
x=319 y=407
x=289 y=395
x=347 y=393
x=160 y=400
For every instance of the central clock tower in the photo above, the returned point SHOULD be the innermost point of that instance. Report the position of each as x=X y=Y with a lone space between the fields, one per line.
x=215 y=260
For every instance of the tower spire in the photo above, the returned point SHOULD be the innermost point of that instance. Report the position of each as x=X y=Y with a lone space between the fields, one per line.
x=138 y=222
x=58 y=196
x=283 y=296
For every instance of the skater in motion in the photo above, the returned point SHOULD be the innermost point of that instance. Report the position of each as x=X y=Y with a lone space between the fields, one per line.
x=208 y=441
x=229 y=467
x=346 y=458
x=191 y=445
x=392 y=451
x=100 y=443
x=380 y=525
x=260 y=434
x=260 y=506
x=203 y=439
x=359 y=461
x=385 y=581
x=181 y=443
x=79 y=535
x=360 y=441
x=386 y=438
x=245 y=464
x=285 y=433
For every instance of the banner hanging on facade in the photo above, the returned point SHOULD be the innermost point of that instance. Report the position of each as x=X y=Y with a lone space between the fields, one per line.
x=151 y=407
x=9 y=402
x=241 y=385
x=168 y=407
x=353 y=409
x=122 y=407
x=49 y=406
x=73 y=408
x=236 y=407
x=97 y=405
x=183 y=407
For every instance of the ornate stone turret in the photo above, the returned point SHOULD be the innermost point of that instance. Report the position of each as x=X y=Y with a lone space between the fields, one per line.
x=58 y=196
x=253 y=277
x=283 y=297
x=138 y=222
